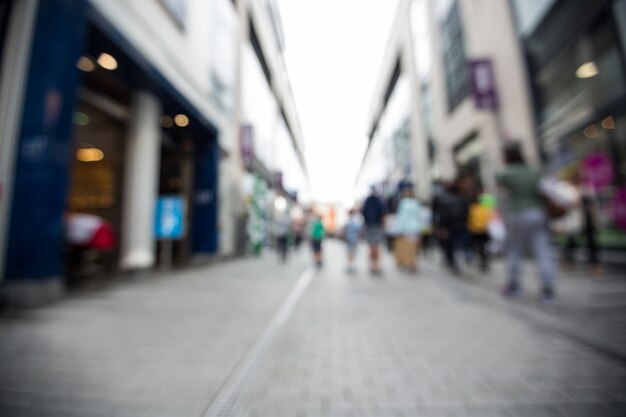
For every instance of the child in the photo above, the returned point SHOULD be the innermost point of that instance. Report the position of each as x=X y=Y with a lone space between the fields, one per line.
x=317 y=234
x=351 y=232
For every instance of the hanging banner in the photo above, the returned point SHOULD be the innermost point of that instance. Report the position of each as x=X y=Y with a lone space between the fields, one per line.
x=483 y=82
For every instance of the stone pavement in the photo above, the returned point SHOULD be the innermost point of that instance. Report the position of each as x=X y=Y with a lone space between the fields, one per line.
x=158 y=346
x=425 y=345
x=347 y=345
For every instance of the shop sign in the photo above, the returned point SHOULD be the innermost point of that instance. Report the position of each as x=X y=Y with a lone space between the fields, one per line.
x=169 y=220
x=483 y=82
x=246 y=144
x=619 y=208
x=597 y=170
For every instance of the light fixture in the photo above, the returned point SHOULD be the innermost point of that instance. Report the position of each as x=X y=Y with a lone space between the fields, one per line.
x=587 y=70
x=181 y=120
x=89 y=155
x=85 y=64
x=280 y=204
x=166 y=121
x=608 y=123
x=80 y=118
x=107 y=61
x=591 y=131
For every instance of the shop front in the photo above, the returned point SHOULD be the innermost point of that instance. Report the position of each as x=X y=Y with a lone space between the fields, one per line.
x=104 y=135
x=578 y=72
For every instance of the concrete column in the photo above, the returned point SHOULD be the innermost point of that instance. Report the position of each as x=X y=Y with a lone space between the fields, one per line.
x=12 y=85
x=143 y=154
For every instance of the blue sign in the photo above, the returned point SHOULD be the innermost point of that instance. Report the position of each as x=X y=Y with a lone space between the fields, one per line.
x=169 y=217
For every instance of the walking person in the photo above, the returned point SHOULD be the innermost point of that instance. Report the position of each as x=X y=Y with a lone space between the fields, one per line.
x=581 y=221
x=481 y=212
x=526 y=223
x=373 y=213
x=408 y=227
x=282 y=229
x=450 y=211
x=317 y=235
x=351 y=234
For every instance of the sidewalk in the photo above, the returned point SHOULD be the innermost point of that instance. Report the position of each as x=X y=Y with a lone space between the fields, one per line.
x=425 y=345
x=157 y=346
x=592 y=310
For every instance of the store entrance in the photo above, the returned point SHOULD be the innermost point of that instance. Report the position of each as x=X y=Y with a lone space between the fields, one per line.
x=95 y=193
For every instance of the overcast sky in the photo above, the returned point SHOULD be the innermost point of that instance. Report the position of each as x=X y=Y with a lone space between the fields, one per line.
x=333 y=53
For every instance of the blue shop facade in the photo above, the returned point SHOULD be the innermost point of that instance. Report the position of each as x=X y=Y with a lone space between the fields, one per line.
x=74 y=153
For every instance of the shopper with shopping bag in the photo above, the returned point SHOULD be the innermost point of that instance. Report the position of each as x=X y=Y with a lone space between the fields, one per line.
x=408 y=227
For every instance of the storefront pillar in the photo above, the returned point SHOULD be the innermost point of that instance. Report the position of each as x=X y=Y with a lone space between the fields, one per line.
x=137 y=241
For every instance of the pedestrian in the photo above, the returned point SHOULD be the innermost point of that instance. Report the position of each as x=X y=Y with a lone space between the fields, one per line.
x=351 y=234
x=317 y=234
x=481 y=212
x=526 y=222
x=450 y=211
x=282 y=229
x=373 y=213
x=581 y=221
x=408 y=227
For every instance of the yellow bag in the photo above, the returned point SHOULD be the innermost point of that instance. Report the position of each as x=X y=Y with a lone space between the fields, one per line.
x=478 y=218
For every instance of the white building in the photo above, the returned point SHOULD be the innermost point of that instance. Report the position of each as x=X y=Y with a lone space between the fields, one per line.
x=424 y=93
x=109 y=105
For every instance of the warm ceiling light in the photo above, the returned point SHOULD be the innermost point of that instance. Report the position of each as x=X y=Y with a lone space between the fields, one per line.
x=166 y=121
x=608 y=123
x=80 y=118
x=591 y=131
x=181 y=120
x=587 y=70
x=107 y=61
x=89 y=155
x=86 y=64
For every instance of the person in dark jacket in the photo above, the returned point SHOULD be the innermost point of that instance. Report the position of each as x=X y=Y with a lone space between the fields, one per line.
x=450 y=210
x=373 y=212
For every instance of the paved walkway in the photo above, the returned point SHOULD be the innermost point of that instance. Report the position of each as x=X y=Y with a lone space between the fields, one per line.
x=341 y=345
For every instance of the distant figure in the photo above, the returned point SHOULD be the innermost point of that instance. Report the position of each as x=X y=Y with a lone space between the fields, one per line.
x=481 y=212
x=317 y=234
x=282 y=228
x=581 y=222
x=450 y=210
x=351 y=234
x=373 y=213
x=526 y=223
x=408 y=227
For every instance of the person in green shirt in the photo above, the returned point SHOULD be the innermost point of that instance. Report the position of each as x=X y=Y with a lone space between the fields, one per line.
x=317 y=234
x=526 y=223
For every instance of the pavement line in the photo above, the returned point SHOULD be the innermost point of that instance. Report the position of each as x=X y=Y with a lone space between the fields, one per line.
x=240 y=385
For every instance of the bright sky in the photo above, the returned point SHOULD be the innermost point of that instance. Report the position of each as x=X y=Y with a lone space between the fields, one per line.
x=333 y=55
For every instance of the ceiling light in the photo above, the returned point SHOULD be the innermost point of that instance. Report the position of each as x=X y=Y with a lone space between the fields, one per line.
x=166 y=121
x=587 y=70
x=591 y=131
x=89 y=155
x=608 y=123
x=107 y=61
x=85 y=64
x=181 y=120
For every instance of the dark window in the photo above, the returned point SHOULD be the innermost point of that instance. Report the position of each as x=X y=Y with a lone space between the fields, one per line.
x=256 y=45
x=454 y=59
x=392 y=82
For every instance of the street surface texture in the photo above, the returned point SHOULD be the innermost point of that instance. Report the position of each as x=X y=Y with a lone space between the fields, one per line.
x=393 y=345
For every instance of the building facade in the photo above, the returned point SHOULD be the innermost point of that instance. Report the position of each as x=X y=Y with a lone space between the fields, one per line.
x=116 y=109
x=438 y=53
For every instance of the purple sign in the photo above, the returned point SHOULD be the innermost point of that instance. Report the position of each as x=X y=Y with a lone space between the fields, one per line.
x=618 y=208
x=247 y=150
x=597 y=170
x=483 y=82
